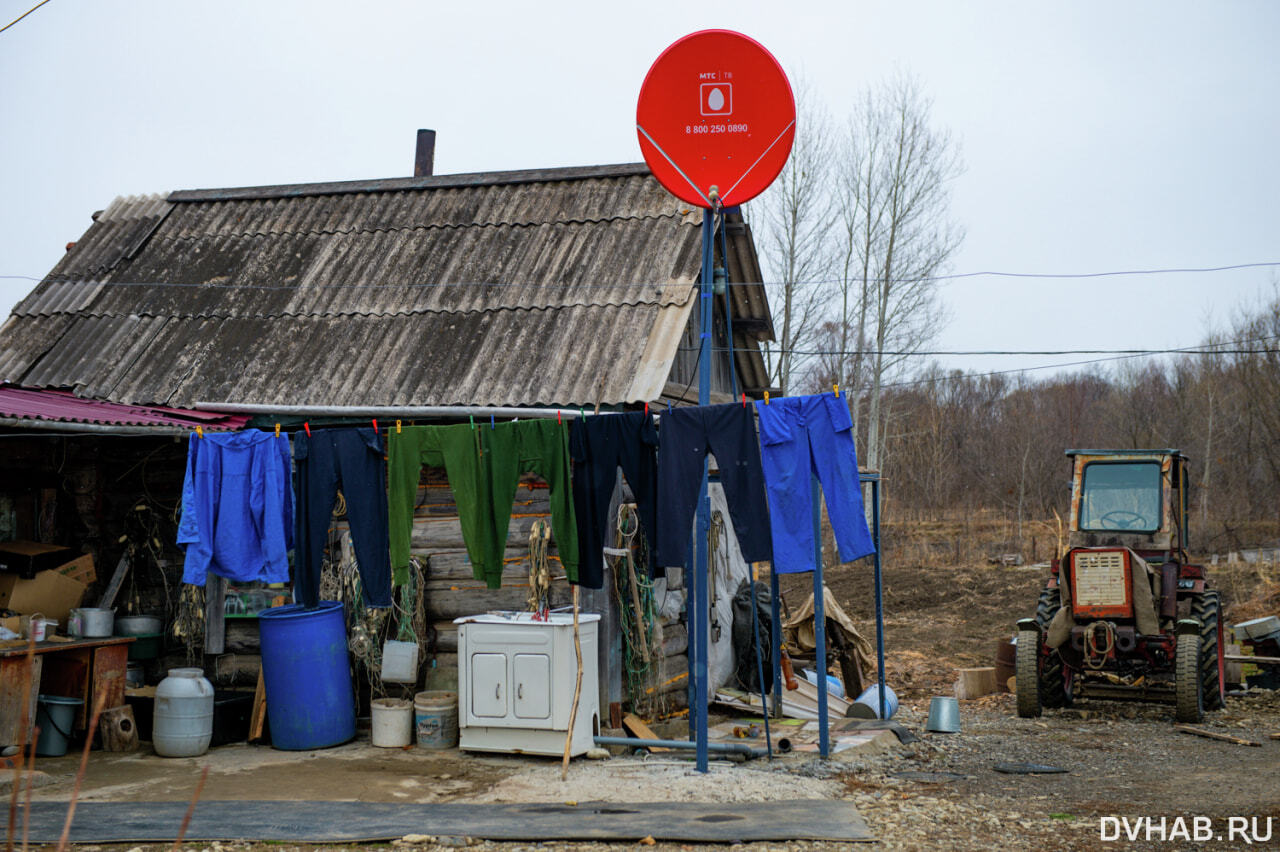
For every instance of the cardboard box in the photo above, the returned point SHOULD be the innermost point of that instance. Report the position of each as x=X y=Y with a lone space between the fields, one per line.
x=28 y=558
x=50 y=593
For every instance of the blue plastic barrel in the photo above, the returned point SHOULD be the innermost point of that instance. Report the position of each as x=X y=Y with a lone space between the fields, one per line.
x=310 y=703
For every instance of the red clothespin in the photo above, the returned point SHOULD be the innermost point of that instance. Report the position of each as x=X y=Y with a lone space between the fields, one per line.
x=646 y=409
x=744 y=399
x=557 y=417
x=375 y=425
x=307 y=426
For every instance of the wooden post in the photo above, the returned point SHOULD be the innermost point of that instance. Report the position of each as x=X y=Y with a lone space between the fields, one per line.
x=119 y=731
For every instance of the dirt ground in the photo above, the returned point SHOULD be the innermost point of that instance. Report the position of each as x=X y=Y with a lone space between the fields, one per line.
x=1121 y=760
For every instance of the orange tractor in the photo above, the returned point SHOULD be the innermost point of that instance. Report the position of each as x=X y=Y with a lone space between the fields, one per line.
x=1124 y=614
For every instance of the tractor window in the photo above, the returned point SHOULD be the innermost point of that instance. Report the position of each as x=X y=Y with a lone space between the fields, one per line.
x=1122 y=496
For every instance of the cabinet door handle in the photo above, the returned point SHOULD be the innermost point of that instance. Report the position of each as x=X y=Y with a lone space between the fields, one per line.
x=497 y=690
x=519 y=691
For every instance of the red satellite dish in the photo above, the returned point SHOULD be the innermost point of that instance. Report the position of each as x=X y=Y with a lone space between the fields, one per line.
x=716 y=118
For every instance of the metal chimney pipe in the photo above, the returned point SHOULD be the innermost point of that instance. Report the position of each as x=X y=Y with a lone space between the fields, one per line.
x=424 y=159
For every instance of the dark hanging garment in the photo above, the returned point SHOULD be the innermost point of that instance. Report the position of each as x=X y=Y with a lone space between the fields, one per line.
x=729 y=433
x=599 y=446
x=350 y=459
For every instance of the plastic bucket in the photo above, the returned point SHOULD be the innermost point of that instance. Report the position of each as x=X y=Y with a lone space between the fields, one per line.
x=868 y=704
x=310 y=703
x=392 y=722
x=435 y=717
x=400 y=662
x=55 y=716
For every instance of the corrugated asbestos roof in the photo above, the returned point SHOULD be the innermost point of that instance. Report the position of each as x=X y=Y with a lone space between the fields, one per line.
x=64 y=407
x=563 y=287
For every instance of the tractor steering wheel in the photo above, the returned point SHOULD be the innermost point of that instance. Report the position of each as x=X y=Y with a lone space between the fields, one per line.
x=1126 y=521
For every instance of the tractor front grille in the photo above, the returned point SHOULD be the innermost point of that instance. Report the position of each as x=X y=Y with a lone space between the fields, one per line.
x=1101 y=582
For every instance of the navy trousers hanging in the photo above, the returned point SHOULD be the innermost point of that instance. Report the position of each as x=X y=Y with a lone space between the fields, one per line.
x=599 y=446
x=802 y=436
x=351 y=459
x=729 y=433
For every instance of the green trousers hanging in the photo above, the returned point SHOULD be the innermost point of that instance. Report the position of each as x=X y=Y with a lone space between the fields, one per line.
x=484 y=465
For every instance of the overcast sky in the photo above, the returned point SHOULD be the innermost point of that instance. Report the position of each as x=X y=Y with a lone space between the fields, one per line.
x=1098 y=136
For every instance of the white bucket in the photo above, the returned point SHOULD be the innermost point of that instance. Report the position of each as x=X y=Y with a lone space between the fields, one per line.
x=399 y=661
x=392 y=722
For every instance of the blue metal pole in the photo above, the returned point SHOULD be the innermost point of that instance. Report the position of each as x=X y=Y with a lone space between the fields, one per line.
x=702 y=627
x=875 y=531
x=819 y=618
x=775 y=637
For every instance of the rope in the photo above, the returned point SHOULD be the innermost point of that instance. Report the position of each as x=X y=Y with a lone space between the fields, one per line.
x=539 y=568
x=1095 y=657
x=638 y=616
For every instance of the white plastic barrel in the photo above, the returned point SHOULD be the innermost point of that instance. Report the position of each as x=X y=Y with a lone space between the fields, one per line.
x=183 y=721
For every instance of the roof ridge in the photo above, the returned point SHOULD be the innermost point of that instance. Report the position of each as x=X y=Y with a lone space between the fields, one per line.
x=420 y=227
x=500 y=178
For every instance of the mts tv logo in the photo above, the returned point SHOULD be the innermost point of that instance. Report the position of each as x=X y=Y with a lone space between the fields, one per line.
x=717 y=98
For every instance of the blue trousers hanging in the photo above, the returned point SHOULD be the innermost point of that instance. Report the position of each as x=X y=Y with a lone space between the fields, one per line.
x=802 y=436
x=729 y=433
x=352 y=459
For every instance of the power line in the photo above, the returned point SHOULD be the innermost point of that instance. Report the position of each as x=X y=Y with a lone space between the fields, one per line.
x=23 y=15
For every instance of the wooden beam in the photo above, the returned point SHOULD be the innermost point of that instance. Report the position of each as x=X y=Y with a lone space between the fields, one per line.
x=1214 y=735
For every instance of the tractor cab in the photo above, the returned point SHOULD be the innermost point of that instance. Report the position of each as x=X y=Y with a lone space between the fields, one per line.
x=1135 y=499
x=1124 y=614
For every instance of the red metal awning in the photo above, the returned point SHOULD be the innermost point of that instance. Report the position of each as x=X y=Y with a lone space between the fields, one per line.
x=41 y=408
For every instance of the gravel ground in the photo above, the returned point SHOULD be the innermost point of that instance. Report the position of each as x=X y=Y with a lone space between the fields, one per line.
x=941 y=792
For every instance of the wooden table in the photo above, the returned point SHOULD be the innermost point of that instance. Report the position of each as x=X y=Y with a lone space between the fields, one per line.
x=75 y=669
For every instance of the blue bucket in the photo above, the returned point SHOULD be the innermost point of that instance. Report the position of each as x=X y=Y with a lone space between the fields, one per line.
x=869 y=700
x=310 y=703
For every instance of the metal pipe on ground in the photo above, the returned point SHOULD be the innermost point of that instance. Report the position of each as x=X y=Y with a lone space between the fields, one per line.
x=684 y=745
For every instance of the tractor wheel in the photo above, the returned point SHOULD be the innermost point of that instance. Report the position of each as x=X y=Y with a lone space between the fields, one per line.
x=1207 y=609
x=1026 y=670
x=1188 y=688
x=1053 y=677
x=1047 y=607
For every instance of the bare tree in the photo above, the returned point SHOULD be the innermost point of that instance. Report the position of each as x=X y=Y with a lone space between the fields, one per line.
x=794 y=217
x=897 y=235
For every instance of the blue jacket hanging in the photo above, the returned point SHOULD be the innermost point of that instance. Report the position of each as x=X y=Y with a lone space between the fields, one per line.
x=237 y=508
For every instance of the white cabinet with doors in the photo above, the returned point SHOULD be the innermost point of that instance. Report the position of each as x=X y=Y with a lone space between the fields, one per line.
x=516 y=682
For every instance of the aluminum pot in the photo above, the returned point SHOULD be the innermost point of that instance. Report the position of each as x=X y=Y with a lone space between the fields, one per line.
x=91 y=622
x=138 y=625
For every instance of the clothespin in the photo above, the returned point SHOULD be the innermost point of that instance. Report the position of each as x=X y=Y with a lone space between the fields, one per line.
x=668 y=406
x=836 y=388
x=582 y=415
x=473 y=422
x=375 y=425
x=306 y=425
x=277 y=430
x=199 y=431
x=744 y=399
x=397 y=427
x=646 y=409
x=557 y=417
x=766 y=397
x=491 y=426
